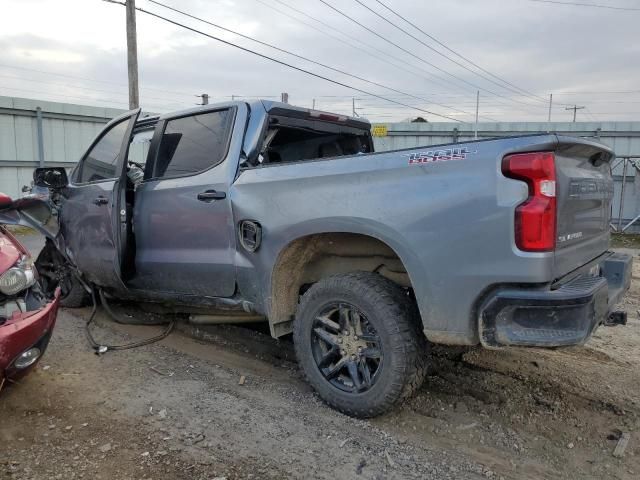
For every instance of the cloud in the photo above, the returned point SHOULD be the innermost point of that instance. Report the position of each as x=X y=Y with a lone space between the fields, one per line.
x=541 y=48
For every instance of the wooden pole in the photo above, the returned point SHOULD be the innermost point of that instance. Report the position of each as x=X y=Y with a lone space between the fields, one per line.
x=132 y=55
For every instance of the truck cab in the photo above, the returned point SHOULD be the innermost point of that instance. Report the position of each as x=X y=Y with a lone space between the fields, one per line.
x=160 y=225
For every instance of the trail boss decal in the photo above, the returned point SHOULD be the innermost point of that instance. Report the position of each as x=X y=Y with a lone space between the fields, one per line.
x=420 y=158
x=569 y=236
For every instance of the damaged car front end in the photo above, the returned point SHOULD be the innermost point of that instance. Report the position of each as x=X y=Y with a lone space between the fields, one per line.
x=28 y=303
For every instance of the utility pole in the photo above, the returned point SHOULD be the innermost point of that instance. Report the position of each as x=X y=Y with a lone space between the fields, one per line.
x=132 y=55
x=353 y=107
x=550 y=105
x=475 y=134
x=284 y=97
x=313 y=106
x=205 y=99
x=39 y=131
x=575 y=109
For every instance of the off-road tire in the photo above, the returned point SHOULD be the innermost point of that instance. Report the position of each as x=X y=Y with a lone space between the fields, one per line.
x=74 y=295
x=395 y=317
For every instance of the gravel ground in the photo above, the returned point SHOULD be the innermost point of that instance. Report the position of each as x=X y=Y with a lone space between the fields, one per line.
x=177 y=409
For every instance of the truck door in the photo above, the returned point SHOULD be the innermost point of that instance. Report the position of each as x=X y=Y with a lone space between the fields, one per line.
x=91 y=217
x=182 y=219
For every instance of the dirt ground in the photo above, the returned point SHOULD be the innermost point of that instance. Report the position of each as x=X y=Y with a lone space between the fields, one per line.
x=177 y=410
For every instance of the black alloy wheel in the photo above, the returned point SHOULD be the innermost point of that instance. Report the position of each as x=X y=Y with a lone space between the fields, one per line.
x=359 y=342
x=346 y=348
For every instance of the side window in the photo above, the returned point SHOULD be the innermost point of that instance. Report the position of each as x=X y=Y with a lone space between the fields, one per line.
x=192 y=144
x=138 y=152
x=139 y=147
x=100 y=162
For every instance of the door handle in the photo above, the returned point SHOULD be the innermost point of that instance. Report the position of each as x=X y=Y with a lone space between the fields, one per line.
x=211 y=195
x=101 y=200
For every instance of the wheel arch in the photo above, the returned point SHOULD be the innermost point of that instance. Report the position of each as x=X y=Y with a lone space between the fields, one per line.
x=316 y=255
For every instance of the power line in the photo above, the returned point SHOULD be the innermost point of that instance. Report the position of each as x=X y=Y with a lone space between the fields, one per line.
x=253 y=96
x=114 y=102
x=588 y=112
x=81 y=87
x=340 y=12
x=44 y=72
x=401 y=66
x=299 y=69
x=386 y=61
x=437 y=51
x=456 y=53
x=76 y=77
x=593 y=5
x=476 y=87
x=466 y=95
x=346 y=103
x=455 y=103
x=288 y=52
x=600 y=93
x=121 y=104
x=615 y=113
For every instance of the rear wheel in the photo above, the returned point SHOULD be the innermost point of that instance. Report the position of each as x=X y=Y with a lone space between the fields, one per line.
x=358 y=342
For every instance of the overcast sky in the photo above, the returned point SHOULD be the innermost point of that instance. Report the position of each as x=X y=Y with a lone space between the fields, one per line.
x=75 y=51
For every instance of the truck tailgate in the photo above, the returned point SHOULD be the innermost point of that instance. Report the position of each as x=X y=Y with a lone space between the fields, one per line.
x=584 y=195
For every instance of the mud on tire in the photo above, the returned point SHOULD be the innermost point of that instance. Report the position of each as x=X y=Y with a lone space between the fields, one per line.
x=373 y=324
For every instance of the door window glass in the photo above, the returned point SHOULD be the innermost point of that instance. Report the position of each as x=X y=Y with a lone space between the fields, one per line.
x=192 y=144
x=138 y=152
x=100 y=162
x=139 y=147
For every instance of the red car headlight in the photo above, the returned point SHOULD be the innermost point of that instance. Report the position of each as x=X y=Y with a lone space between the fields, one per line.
x=18 y=278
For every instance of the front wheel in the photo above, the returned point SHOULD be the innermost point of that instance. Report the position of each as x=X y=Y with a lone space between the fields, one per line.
x=358 y=341
x=73 y=293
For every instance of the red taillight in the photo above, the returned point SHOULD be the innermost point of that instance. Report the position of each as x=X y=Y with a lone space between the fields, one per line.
x=330 y=117
x=535 y=224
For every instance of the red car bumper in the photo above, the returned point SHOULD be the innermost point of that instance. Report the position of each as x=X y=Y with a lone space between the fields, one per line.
x=22 y=332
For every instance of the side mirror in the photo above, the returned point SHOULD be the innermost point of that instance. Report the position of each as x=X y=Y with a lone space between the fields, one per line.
x=50 y=177
x=5 y=200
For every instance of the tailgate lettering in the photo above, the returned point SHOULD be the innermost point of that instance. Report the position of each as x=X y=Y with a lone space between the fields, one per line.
x=430 y=156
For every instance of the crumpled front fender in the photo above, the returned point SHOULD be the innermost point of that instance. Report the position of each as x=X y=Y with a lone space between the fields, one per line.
x=33 y=211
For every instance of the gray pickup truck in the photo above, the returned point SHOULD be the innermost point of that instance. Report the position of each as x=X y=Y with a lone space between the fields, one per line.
x=261 y=210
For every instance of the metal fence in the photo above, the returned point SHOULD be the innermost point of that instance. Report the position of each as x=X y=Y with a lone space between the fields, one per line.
x=35 y=133
x=619 y=196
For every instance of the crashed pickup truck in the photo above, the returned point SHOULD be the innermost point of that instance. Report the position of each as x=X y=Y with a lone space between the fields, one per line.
x=262 y=210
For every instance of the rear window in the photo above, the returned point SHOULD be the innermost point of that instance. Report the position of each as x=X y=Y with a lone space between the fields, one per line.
x=192 y=144
x=292 y=144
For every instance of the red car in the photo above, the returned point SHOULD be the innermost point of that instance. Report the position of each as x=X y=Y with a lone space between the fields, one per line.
x=27 y=315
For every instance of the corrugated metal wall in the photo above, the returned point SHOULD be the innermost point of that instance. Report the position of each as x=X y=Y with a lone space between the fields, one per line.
x=623 y=137
x=67 y=131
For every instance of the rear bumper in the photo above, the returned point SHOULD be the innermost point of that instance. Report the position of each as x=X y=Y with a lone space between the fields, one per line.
x=568 y=315
x=24 y=331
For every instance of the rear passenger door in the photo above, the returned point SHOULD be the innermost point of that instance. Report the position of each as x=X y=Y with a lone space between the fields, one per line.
x=183 y=225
